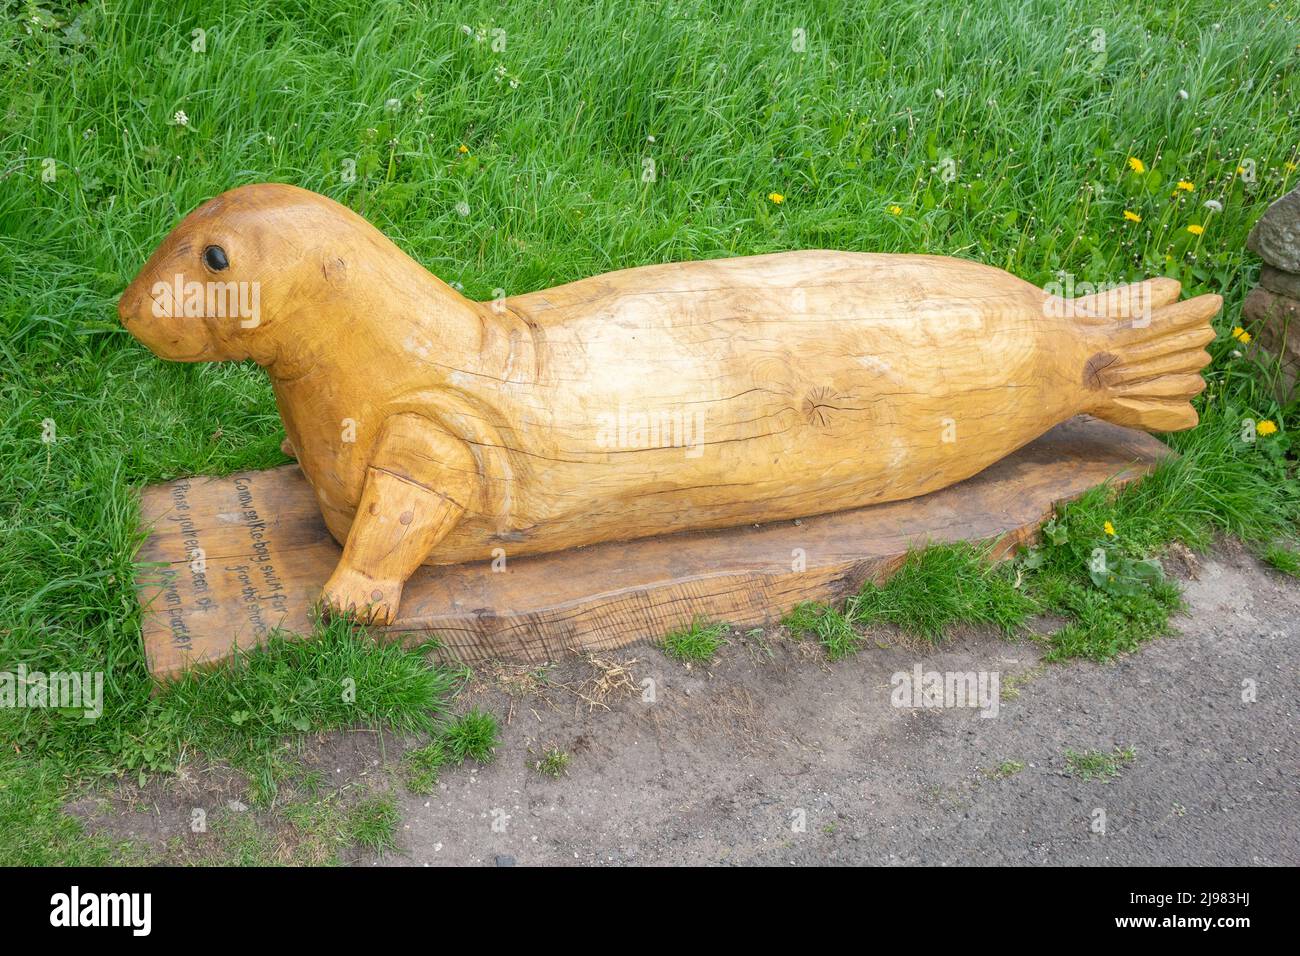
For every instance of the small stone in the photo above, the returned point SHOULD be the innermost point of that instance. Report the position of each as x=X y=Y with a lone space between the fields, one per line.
x=1275 y=321
x=1265 y=310
x=1283 y=283
x=236 y=806
x=505 y=861
x=1276 y=237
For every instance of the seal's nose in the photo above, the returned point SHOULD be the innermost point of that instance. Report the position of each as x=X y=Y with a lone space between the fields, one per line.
x=128 y=307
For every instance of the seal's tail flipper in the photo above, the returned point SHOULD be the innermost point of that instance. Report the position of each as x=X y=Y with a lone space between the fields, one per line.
x=1146 y=369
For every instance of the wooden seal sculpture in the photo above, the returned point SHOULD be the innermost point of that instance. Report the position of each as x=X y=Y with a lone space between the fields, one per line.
x=434 y=429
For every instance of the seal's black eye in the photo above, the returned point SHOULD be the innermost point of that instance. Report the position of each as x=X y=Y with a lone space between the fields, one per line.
x=216 y=259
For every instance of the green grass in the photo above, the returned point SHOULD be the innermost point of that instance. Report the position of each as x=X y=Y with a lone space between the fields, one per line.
x=1218 y=484
x=553 y=762
x=695 y=644
x=935 y=589
x=1008 y=768
x=372 y=823
x=423 y=765
x=1283 y=559
x=1098 y=765
x=244 y=713
x=1038 y=124
x=309 y=833
x=833 y=628
x=943 y=586
x=473 y=735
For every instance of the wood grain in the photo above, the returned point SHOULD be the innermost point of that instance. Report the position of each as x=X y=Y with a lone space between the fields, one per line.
x=268 y=554
x=687 y=396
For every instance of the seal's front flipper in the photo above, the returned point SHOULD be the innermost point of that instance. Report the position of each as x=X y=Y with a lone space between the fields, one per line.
x=418 y=481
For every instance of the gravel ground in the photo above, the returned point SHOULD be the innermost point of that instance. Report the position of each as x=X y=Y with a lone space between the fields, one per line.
x=770 y=756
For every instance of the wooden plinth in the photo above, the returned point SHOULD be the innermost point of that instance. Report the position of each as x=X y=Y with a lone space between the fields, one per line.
x=267 y=553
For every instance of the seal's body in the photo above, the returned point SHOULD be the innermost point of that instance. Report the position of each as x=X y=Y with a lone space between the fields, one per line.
x=693 y=395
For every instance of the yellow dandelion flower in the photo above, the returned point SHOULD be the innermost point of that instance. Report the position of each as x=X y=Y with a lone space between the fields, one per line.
x=895 y=210
x=462 y=148
x=1136 y=165
x=1240 y=170
x=1109 y=528
x=1132 y=216
x=1185 y=186
x=777 y=198
x=1289 y=167
x=1266 y=427
x=1241 y=335
x=1195 y=229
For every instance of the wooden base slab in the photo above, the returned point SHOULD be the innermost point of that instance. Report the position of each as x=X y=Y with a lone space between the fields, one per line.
x=267 y=554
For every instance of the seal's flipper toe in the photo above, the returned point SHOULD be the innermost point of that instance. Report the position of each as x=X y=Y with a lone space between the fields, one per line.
x=1134 y=300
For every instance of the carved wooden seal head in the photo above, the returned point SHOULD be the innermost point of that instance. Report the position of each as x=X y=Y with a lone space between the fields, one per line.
x=435 y=429
x=238 y=277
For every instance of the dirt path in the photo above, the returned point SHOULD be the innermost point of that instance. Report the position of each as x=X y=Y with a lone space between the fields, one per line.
x=773 y=756
x=726 y=763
